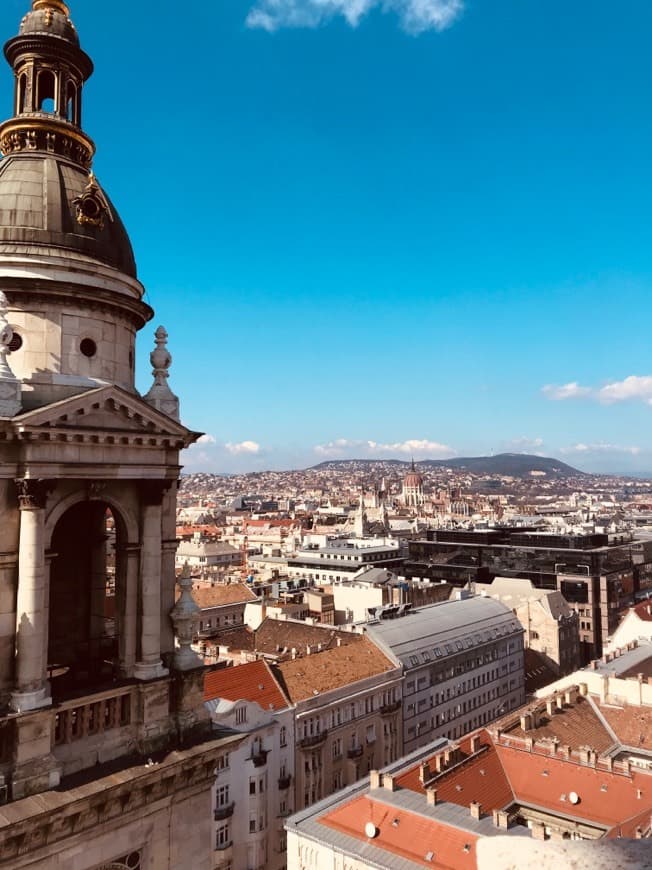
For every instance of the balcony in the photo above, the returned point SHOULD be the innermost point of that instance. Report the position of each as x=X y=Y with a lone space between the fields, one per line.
x=224 y=812
x=388 y=709
x=260 y=758
x=284 y=782
x=309 y=742
x=354 y=752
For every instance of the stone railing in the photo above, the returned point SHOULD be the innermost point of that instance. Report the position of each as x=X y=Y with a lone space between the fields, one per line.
x=74 y=720
x=312 y=740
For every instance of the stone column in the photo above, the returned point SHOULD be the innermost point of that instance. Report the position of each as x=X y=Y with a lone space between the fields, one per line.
x=127 y=569
x=98 y=575
x=32 y=688
x=150 y=665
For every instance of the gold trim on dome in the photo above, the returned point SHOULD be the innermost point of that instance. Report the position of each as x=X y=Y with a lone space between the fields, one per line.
x=56 y=5
x=32 y=133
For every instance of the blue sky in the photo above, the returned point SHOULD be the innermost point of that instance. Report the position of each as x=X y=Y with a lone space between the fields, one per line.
x=379 y=229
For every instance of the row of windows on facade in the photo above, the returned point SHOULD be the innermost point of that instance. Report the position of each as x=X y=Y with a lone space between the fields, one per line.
x=461 y=708
x=462 y=687
x=483 y=718
x=462 y=666
x=312 y=725
x=229 y=619
x=447 y=649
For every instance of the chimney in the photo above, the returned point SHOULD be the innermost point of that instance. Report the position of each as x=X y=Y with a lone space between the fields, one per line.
x=424 y=773
x=339 y=641
x=294 y=653
x=388 y=782
x=476 y=810
x=431 y=797
x=375 y=779
x=639 y=831
x=526 y=722
x=308 y=650
x=475 y=744
x=538 y=831
x=439 y=762
x=560 y=702
x=550 y=707
x=594 y=664
x=501 y=819
x=584 y=689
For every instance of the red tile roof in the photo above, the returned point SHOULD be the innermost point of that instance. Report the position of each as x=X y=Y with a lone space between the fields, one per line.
x=250 y=682
x=632 y=725
x=644 y=611
x=221 y=594
x=574 y=725
x=405 y=834
x=542 y=780
x=478 y=778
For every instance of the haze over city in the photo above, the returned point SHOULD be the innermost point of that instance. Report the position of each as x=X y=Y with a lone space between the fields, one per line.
x=393 y=229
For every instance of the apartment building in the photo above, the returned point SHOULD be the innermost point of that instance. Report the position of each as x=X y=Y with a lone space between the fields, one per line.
x=550 y=625
x=253 y=790
x=347 y=702
x=463 y=665
x=342 y=558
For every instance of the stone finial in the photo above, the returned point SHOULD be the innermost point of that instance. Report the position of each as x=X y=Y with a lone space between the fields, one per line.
x=160 y=395
x=184 y=615
x=10 y=389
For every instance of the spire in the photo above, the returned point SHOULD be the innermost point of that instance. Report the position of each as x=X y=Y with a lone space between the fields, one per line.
x=50 y=70
x=160 y=395
x=412 y=466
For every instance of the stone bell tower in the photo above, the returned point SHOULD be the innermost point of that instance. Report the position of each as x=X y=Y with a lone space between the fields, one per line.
x=91 y=678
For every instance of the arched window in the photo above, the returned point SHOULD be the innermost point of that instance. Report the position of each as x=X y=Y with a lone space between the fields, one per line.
x=45 y=100
x=22 y=92
x=71 y=102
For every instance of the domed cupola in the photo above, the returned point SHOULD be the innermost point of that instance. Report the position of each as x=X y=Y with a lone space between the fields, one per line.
x=62 y=243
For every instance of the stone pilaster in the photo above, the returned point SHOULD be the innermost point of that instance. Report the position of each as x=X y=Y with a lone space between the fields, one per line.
x=150 y=665
x=32 y=689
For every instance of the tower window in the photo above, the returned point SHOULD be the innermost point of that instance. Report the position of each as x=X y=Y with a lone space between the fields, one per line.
x=46 y=91
x=16 y=342
x=71 y=100
x=88 y=347
x=22 y=91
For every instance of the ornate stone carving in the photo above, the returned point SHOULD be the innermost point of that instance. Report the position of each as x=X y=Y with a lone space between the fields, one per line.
x=32 y=494
x=160 y=395
x=10 y=389
x=91 y=207
x=96 y=490
x=184 y=615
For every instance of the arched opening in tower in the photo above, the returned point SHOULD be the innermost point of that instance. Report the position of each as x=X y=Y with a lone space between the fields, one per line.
x=86 y=585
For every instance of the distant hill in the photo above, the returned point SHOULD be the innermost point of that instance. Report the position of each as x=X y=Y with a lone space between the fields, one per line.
x=504 y=464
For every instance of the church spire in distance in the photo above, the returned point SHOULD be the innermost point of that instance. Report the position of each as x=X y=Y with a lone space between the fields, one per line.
x=50 y=69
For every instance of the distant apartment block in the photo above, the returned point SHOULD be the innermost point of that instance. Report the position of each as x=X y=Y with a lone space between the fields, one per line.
x=463 y=666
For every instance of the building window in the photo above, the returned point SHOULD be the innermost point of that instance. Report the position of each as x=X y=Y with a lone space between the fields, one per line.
x=222 y=836
x=283 y=738
x=240 y=715
x=222 y=796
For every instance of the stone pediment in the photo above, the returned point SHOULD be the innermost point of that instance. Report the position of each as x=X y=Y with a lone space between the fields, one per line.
x=108 y=414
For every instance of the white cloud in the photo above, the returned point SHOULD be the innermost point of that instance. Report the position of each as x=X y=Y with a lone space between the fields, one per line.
x=567 y=391
x=206 y=439
x=634 y=387
x=246 y=447
x=527 y=442
x=601 y=447
x=416 y=16
x=343 y=448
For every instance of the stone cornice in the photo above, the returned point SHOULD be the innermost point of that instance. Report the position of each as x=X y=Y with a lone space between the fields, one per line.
x=40 y=822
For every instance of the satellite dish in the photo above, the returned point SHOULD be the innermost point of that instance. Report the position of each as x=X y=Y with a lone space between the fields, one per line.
x=370 y=830
x=573 y=797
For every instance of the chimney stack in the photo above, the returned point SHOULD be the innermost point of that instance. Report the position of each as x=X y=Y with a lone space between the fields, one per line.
x=431 y=797
x=476 y=810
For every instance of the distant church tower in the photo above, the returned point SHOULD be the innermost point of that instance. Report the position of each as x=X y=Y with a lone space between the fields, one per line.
x=413 y=488
x=90 y=672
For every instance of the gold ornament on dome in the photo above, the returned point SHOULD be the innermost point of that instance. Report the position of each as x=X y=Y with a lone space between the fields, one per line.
x=51 y=6
x=91 y=207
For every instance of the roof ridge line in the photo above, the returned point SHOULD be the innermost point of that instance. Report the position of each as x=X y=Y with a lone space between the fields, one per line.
x=605 y=724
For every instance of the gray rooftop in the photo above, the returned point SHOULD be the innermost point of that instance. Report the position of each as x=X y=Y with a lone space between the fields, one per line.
x=446 y=629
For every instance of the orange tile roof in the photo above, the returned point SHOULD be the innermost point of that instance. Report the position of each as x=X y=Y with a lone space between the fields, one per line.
x=632 y=725
x=575 y=725
x=608 y=807
x=405 y=834
x=644 y=610
x=221 y=595
x=250 y=682
x=478 y=778
x=331 y=669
